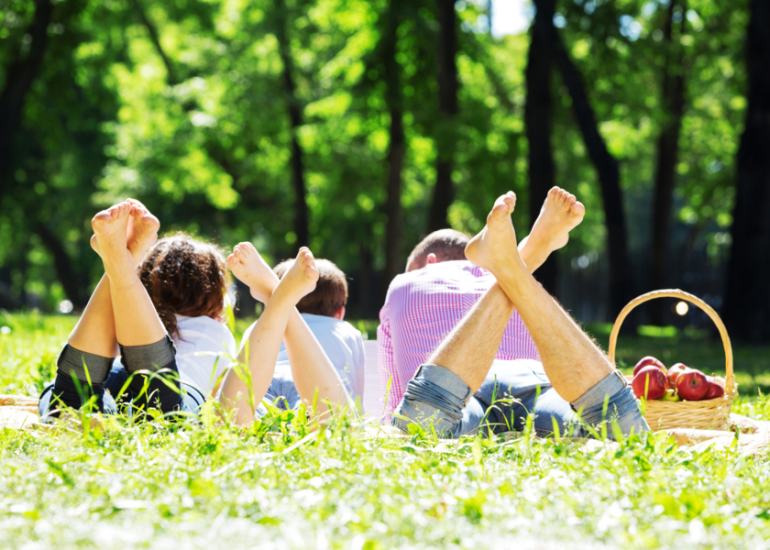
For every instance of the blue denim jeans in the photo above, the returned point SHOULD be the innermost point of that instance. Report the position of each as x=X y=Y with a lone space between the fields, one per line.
x=511 y=392
x=282 y=392
x=164 y=391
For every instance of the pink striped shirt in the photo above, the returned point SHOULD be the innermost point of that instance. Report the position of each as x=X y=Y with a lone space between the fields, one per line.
x=422 y=308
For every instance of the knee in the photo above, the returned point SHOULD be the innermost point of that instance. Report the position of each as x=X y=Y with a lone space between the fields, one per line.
x=434 y=397
x=153 y=357
x=619 y=408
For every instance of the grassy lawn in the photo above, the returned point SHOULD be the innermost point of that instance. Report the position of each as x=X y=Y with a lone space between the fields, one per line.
x=276 y=485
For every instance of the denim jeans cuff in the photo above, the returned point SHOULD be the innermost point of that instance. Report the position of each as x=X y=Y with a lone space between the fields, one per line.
x=150 y=357
x=445 y=379
x=607 y=386
x=74 y=361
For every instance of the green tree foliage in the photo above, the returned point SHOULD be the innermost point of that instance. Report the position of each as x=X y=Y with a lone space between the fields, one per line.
x=320 y=122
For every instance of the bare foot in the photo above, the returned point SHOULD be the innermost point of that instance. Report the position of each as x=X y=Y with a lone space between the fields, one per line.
x=300 y=279
x=110 y=227
x=495 y=247
x=246 y=264
x=142 y=230
x=560 y=214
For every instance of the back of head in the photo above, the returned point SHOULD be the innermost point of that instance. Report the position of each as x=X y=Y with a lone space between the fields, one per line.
x=446 y=244
x=331 y=290
x=185 y=276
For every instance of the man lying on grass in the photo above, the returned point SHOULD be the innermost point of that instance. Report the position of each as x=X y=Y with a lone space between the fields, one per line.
x=443 y=393
x=440 y=286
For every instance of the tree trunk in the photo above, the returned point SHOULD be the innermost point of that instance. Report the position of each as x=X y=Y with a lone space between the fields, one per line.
x=538 y=120
x=19 y=77
x=443 y=192
x=621 y=284
x=301 y=229
x=65 y=270
x=673 y=101
x=396 y=152
x=171 y=77
x=747 y=296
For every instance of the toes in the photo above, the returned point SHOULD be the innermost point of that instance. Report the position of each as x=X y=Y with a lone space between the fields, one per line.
x=553 y=192
x=103 y=216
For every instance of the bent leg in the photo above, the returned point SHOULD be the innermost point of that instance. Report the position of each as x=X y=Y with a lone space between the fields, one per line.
x=142 y=338
x=573 y=363
x=260 y=350
x=444 y=386
x=315 y=378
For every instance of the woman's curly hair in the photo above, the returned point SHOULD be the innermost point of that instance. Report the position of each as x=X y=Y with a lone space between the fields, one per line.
x=185 y=276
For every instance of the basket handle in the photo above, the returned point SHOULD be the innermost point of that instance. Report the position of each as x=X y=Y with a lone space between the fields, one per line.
x=676 y=293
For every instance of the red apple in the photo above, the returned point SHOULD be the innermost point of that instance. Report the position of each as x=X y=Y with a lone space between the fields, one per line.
x=692 y=385
x=715 y=390
x=651 y=378
x=675 y=371
x=646 y=362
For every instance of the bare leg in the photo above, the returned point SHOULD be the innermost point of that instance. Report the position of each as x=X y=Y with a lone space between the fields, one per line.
x=561 y=213
x=471 y=347
x=312 y=371
x=573 y=363
x=137 y=322
x=260 y=351
x=95 y=330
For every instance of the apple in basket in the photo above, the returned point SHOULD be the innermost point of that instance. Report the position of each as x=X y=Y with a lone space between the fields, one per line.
x=671 y=395
x=715 y=389
x=649 y=361
x=652 y=379
x=675 y=371
x=692 y=385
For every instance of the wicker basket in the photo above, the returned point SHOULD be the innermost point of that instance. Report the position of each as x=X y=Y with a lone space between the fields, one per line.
x=663 y=415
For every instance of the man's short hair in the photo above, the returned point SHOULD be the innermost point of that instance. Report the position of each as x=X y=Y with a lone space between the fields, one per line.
x=446 y=244
x=331 y=290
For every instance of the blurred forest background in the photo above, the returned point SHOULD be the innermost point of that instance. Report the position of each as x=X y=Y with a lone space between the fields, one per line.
x=358 y=126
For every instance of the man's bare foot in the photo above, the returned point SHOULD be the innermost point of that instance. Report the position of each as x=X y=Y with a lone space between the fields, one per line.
x=246 y=264
x=560 y=214
x=495 y=247
x=300 y=279
x=110 y=227
x=142 y=230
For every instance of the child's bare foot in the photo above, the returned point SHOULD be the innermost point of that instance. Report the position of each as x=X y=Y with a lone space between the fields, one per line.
x=300 y=279
x=246 y=264
x=495 y=247
x=142 y=230
x=560 y=214
x=109 y=241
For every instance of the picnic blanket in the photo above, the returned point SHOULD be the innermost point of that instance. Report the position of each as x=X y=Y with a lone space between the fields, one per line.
x=753 y=436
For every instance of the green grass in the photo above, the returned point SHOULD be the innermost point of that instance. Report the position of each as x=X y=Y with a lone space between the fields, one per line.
x=276 y=485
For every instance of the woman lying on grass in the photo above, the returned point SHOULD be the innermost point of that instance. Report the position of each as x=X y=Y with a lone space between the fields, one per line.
x=158 y=307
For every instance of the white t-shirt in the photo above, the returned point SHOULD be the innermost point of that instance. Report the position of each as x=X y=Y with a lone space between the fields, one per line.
x=204 y=349
x=342 y=343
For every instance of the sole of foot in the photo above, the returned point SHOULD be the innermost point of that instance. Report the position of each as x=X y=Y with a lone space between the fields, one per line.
x=561 y=213
x=142 y=230
x=252 y=270
x=300 y=279
x=495 y=247
x=110 y=230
